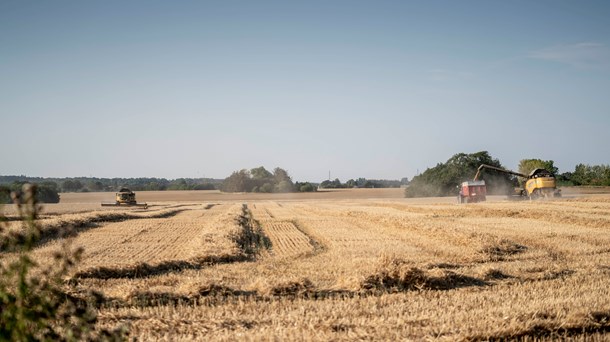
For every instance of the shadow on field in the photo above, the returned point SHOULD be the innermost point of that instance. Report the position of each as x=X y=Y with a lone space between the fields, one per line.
x=146 y=298
x=595 y=326
x=146 y=270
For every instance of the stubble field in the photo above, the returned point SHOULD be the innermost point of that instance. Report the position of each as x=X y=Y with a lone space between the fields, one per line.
x=343 y=266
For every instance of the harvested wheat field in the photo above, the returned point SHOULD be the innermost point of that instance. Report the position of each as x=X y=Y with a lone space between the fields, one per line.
x=345 y=267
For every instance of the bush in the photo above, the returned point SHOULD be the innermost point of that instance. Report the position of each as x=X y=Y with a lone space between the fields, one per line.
x=46 y=192
x=204 y=186
x=305 y=187
x=267 y=187
x=284 y=186
x=35 y=303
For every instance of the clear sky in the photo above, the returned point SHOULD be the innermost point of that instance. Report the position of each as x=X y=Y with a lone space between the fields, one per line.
x=374 y=89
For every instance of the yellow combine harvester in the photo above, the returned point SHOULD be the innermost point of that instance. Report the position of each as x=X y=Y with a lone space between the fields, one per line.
x=539 y=183
x=125 y=197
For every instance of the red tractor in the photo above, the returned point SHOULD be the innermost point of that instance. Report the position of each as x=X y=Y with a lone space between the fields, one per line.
x=472 y=192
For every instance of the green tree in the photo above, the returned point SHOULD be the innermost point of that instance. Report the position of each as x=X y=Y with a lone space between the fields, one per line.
x=267 y=187
x=154 y=186
x=47 y=192
x=351 y=183
x=258 y=180
x=305 y=187
x=204 y=186
x=260 y=173
x=178 y=184
x=328 y=184
x=285 y=186
x=238 y=181
x=280 y=175
x=261 y=180
x=95 y=185
x=598 y=175
x=283 y=181
x=70 y=185
x=5 y=194
x=528 y=165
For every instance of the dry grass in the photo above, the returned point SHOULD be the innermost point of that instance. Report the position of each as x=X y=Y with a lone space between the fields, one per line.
x=390 y=269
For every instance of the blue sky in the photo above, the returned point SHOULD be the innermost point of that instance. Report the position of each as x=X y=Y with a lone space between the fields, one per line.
x=375 y=89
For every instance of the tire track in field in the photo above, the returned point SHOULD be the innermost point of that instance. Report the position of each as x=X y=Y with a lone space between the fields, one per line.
x=287 y=239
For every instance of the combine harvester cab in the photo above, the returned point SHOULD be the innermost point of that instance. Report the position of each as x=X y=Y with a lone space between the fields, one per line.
x=125 y=197
x=472 y=192
x=541 y=183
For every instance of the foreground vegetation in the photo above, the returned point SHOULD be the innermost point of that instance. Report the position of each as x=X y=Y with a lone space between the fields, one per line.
x=342 y=270
x=35 y=303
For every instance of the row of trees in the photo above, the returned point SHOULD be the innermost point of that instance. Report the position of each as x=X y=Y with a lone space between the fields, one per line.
x=363 y=183
x=261 y=180
x=46 y=192
x=254 y=180
x=583 y=175
x=596 y=175
x=87 y=184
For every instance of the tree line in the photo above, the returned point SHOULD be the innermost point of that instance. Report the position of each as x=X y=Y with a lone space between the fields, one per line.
x=260 y=180
x=364 y=183
x=93 y=184
x=46 y=191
